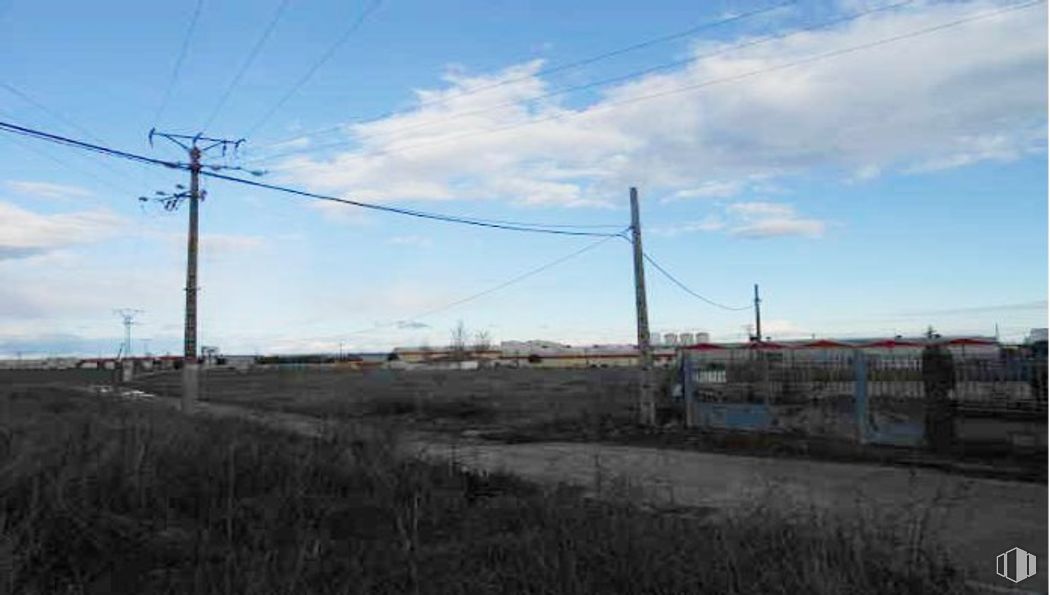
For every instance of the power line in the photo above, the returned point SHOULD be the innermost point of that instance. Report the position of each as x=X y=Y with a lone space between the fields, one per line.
x=686 y=289
x=590 y=85
x=67 y=165
x=401 y=211
x=53 y=113
x=248 y=62
x=62 y=140
x=557 y=68
x=316 y=66
x=708 y=83
x=491 y=223
x=178 y=61
x=500 y=286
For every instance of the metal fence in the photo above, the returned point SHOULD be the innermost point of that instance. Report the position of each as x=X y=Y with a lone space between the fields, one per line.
x=873 y=395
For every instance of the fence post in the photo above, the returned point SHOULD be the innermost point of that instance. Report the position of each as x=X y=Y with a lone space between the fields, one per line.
x=687 y=389
x=860 y=394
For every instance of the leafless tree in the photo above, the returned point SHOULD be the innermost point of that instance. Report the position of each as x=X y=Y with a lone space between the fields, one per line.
x=458 y=344
x=482 y=342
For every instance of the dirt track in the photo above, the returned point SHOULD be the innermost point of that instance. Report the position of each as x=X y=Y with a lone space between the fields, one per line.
x=976 y=519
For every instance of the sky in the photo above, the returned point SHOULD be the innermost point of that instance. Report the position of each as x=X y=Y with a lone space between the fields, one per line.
x=876 y=167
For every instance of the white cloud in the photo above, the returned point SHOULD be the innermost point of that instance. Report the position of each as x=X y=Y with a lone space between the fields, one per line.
x=712 y=189
x=25 y=233
x=47 y=189
x=750 y=220
x=971 y=93
x=766 y=219
x=708 y=224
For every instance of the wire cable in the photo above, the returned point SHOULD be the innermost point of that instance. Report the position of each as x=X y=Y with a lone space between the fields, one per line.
x=53 y=113
x=585 y=86
x=553 y=69
x=686 y=289
x=62 y=140
x=495 y=288
x=178 y=61
x=402 y=211
x=708 y=83
x=259 y=43
x=316 y=66
x=59 y=117
x=491 y=223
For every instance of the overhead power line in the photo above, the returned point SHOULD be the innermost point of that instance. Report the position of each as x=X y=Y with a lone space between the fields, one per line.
x=590 y=85
x=707 y=83
x=555 y=68
x=495 y=288
x=247 y=63
x=491 y=223
x=59 y=117
x=53 y=113
x=401 y=211
x=62 y=140
x=178 y=61
x=686 y=288
x=309 y=73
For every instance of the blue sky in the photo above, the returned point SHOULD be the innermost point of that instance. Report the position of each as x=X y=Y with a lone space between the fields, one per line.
x=874 y=191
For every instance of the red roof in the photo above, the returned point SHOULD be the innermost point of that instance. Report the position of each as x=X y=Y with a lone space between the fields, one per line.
x=704 y=347
x=891 y=343
x=765 y=345
x=824 y=344
x=970 y=341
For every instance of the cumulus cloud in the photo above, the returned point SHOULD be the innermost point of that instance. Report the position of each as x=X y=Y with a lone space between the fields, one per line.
x=712 y=189
x=47 y=190
x=24 y=233
x=750 y=220
x=975 y=92
x=766 y=219
x=708 y=224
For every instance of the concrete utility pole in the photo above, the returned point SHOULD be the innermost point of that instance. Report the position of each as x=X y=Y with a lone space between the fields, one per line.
x=758 y=316
x=190 y=367
x=646 y=403
x=190 y=362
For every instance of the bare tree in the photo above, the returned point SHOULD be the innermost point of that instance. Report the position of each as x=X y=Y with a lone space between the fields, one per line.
x=458 y=344
x=482 y=342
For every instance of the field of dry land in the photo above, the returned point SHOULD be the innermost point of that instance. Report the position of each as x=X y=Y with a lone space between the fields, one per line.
x=543 y=405
x=104 y=495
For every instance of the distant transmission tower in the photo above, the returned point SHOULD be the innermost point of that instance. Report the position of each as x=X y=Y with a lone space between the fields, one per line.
x=128 y=316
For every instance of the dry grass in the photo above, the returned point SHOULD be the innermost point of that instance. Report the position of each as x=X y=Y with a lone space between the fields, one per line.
x=503 y=398
x=98 y=496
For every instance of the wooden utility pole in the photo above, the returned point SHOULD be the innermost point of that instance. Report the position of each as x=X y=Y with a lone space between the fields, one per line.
x=646 y=402
x=171 y=201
